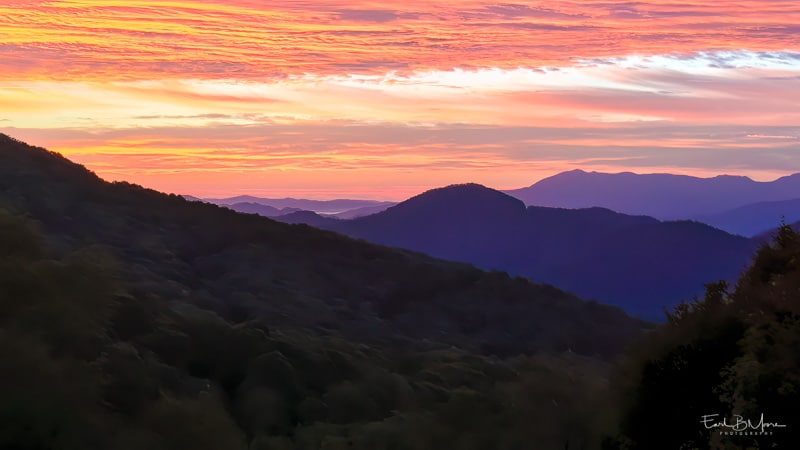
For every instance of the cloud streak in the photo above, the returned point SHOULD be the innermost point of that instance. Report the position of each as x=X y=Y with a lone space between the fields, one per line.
x=254 y=40
x=212 y=97
x=396 y=160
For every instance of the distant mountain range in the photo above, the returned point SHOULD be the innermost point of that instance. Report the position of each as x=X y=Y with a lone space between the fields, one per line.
x=735 y=204
x=262 y=210
x=636 y=262
x=346 y=208
x=755 y=218
x=363 y=211
x=601 y=236
x=672 y=197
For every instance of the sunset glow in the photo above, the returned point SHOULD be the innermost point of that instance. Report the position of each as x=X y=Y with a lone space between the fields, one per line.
x=379 y=100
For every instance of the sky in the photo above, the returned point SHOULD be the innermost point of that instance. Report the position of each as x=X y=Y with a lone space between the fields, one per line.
x=369 y=99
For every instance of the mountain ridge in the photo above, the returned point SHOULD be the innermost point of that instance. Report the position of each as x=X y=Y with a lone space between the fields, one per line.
x=335 y=206
x=663 y=196
x=231 y=263
x=754 y=218
x=647 y=264
x=262 y=210
x=135 y=319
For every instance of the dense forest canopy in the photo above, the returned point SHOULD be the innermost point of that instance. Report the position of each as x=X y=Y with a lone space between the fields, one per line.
x=131 y=319
x=734 y=353
x=142 y=320
x=245 y=267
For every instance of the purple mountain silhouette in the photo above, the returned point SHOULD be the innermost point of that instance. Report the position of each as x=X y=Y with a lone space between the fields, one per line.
x=636 y=262
x=261 y=210
x=755 y=218
x=321 y=206
x=364 y=211
x=308 y=218
x=662 y=196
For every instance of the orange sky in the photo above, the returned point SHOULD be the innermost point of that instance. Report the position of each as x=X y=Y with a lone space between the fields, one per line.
x=372 y=99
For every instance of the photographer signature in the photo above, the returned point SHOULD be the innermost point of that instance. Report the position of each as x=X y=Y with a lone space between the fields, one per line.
x=710 y=421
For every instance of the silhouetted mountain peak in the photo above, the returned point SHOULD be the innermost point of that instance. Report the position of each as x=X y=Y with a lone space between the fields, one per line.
x=730 y=182
x=439 y=220
x=462 y=199
x=575 y=172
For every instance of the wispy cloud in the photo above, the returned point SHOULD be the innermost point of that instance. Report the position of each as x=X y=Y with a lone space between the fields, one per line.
x=253 y=40
x=210 y=95
x=400 y=160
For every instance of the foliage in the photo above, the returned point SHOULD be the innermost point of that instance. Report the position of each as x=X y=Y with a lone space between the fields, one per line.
x=732 y=353
x=188 y=378
x=131 y=319
x=249 y=268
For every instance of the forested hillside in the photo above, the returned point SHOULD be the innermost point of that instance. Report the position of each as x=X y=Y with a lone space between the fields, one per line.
x=732 y=356
x=132 y=319
x=246 y=267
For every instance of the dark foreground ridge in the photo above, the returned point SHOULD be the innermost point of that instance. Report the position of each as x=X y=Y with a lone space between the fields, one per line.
x=246 y=267
x=130 y=319
x=134 y=319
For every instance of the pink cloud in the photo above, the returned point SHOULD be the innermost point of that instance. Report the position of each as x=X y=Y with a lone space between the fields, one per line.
x=253 y=40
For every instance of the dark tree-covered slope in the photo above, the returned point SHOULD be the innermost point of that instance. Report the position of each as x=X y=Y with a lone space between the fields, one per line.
x=735 y=353
x=92 y=361
x=246 y=267
x=134 y=320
